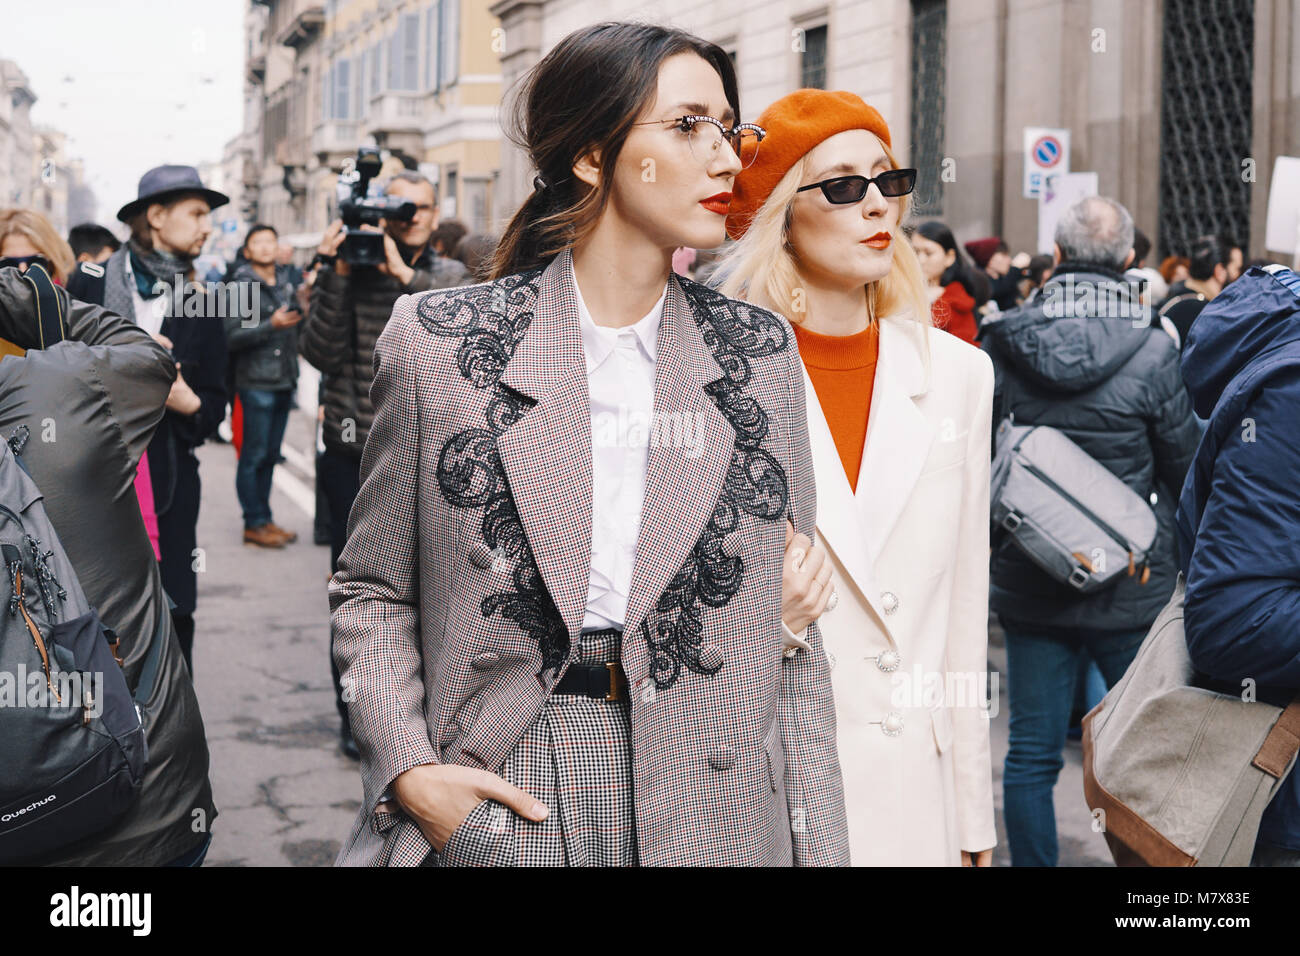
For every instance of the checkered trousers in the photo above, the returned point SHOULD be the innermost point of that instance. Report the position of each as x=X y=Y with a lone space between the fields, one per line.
x=576 y=758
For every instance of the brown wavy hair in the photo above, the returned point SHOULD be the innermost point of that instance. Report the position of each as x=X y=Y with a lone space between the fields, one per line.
x=584 y=96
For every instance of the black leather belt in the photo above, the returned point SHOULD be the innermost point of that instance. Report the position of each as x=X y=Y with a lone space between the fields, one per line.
x=602 y=681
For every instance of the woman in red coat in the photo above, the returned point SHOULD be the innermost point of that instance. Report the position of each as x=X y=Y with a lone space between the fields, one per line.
x=956 y=290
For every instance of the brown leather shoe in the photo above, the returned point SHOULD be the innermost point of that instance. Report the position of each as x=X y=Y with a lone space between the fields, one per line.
x=264 y=536
x=289 y=536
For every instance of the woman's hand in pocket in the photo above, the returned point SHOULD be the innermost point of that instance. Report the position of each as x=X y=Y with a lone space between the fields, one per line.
x=806 y=585
x=440 y=796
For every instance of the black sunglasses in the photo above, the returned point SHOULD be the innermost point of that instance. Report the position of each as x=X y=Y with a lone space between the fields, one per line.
x=17 y=262
x=848 y=189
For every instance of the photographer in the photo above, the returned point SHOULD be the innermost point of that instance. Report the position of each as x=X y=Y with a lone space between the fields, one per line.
x=350 y=306
x=265 y=356
x=108 y=386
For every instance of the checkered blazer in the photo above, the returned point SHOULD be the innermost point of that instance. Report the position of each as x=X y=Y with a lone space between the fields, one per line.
x=461 y=592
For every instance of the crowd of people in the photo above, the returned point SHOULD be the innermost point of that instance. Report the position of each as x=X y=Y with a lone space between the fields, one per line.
x=523 y=583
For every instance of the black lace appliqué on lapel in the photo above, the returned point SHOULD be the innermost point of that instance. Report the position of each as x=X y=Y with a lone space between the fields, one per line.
x=755 y=484
x=490 y=321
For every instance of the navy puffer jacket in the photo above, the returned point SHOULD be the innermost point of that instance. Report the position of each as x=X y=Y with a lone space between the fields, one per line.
x=1239 y=515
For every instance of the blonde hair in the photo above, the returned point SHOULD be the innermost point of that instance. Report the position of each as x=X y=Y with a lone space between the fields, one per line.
x=763 y=268
x=37 y=230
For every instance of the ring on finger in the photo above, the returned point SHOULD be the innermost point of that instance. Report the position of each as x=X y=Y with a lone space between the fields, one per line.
x=833 y=600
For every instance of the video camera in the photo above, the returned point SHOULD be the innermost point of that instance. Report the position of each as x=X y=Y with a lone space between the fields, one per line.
x=362 y=247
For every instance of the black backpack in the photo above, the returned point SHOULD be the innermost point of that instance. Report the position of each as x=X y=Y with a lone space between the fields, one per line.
x=72 y=742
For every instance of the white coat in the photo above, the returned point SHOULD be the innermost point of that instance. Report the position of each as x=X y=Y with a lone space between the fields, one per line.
x=910 y=558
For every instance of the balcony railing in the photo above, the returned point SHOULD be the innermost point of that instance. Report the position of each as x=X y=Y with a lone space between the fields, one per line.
x=396 y=111
x=336 y=136
x=307 y=22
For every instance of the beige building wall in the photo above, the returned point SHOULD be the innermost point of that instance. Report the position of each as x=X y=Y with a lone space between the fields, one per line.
x=17 y=144
x=867 y=51
x=50 y=177
x=1009 y=64
x=1092 y=66
x=446 y=124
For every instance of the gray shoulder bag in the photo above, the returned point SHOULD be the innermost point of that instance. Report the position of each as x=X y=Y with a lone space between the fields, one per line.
x=1181 y=775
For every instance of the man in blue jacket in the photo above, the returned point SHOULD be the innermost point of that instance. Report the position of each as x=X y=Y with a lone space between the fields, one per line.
x=1239 y=516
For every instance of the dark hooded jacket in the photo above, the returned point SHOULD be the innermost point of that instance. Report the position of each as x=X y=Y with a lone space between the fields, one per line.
x=199 y=345
x=1083 y=356
x=1239 y=515
x=338 y=335
x=103 y=392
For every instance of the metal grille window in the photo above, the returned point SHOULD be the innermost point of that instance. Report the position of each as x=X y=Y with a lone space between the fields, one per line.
x=812 y=65
x=1205 y=126
x=929 y=77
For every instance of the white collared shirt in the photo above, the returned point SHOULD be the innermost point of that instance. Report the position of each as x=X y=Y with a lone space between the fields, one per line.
x=621 y=383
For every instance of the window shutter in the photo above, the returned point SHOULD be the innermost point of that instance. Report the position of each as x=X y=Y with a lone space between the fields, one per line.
x=410 y=51
x=435 y=33
x=451 y=48
x=341 y=90
x=442 y=44
x=358 y=87
x=430 y=45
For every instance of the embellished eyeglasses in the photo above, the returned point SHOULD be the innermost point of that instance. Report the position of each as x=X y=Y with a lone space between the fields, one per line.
x=705 y=136
x=843 y=190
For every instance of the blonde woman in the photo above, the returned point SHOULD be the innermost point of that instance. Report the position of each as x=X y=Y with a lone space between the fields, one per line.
x=899 y=416
x=27 y=237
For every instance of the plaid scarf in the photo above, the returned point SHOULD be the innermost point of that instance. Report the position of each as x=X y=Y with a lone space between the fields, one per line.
x=155 y=272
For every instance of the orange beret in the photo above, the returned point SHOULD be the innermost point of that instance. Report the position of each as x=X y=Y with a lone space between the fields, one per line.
x=795 y=124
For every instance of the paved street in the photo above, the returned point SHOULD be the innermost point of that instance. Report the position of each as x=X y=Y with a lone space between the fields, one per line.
x=285 y=794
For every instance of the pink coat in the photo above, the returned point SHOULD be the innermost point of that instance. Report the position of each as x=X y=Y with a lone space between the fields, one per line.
x=144 y=491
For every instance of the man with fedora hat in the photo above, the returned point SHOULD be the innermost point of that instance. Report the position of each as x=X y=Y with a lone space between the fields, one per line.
x=169 y=224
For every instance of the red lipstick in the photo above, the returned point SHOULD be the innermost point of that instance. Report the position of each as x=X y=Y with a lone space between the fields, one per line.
x=719 y=203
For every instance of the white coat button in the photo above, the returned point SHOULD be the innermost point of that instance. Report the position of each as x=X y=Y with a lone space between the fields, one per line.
x=889 y=660
x=790 y=651
x=892 y=725
x=889 y=601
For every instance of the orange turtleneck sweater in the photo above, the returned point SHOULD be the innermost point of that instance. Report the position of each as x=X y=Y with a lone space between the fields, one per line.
x=843 y=373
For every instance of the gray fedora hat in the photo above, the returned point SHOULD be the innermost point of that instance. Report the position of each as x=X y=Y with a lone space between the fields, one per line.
x=163 y=182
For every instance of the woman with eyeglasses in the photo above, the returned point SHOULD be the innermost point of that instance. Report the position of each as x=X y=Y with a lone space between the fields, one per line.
x=558 y=615
x=899 y=418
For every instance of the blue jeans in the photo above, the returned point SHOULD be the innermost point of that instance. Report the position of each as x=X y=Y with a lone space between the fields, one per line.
x=1042 y=670
x=265 y=415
